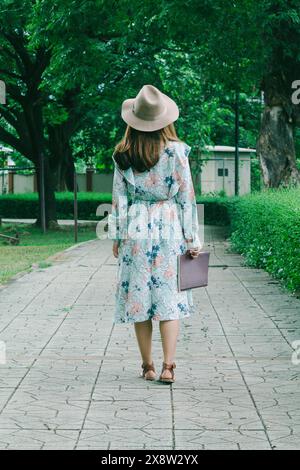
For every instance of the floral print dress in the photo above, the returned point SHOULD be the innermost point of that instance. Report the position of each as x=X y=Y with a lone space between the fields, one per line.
x=153 y=215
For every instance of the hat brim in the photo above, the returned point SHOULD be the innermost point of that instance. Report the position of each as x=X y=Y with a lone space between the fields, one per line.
x=171 y=115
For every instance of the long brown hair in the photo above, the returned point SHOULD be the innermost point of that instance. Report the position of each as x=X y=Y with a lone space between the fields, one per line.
x=140 y=149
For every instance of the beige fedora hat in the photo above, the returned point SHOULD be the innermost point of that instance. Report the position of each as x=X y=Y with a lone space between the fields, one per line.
x=150 y=110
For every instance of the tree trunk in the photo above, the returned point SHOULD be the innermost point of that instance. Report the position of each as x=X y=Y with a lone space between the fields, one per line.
x=50 y=202
x=34 y=114
x=276 y=149
x=61 y=156
x=275 y=144
x=69 y=174
x=65 y=173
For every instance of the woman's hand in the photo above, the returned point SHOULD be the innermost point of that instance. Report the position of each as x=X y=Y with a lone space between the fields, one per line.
x=116 y=249
x=195 y=252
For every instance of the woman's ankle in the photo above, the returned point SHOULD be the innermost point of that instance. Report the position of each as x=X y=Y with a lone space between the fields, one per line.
x=168 y=363
x=147 y=361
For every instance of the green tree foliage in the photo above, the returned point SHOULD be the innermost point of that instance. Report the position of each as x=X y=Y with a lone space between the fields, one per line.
x=68 y=66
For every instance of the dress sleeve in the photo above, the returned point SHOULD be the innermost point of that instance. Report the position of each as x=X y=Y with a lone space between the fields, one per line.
x=186 y=199
x=117 y=220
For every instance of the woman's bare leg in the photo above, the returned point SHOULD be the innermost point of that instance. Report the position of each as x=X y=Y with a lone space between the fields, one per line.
x=169 y=330
x=143 y=331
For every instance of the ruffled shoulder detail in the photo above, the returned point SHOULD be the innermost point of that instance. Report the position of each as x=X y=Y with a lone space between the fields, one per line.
x=128 y=176
x=179 y=153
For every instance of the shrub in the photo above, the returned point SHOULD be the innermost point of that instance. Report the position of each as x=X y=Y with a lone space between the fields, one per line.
x=265 y=229
x=25 y=206
x=217 y=209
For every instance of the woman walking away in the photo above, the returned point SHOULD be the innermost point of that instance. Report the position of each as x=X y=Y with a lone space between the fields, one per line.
x=153 y=220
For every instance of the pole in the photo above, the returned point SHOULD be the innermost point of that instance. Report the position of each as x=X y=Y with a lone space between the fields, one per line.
x=236 y=138
x=42 y=190
x=75 y=207
x=199 y=170
x=223 y=174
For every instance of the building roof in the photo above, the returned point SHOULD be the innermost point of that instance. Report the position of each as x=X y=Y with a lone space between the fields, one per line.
x=228 y=149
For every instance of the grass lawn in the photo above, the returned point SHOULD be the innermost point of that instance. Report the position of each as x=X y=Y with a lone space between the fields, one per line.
x=35 y=247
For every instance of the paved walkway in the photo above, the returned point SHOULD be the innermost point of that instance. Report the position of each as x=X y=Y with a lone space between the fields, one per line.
x=71 y=380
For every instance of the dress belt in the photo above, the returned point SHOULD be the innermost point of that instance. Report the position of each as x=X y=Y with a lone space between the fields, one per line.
x=131 y=201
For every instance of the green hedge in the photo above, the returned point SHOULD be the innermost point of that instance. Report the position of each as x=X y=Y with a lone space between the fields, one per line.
x=25 y=206
x=265 y=228
x=217 y=209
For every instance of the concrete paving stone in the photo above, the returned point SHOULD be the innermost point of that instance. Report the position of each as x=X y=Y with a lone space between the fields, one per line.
x=10 y=382
x=38 y=414
x=244 y=338
x=224 y=416
x=285 y=437
x=94 y=310
x=75 y=391
x=37 y=439
x=287 y=387
x=289 y=420
x=126 y=414
x=114 y=446
x=231 y=330
x=266 y=349
x=51 y=382
x=260 y=382
x=84 y=354
x=248 y=273
x=151 y=395
x=215 y=439
x=265 y=290
x=92 y=343
x=115 y=438
x=5 y=394
x=223 y=382
x=9 y=308
x=224 y=275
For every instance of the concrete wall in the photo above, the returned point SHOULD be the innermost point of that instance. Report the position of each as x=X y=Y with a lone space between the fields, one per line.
x=101 y=183
x=23 y=184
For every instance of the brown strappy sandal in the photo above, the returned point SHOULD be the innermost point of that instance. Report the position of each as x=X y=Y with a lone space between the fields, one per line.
x=146 y=368
x=170 y=367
